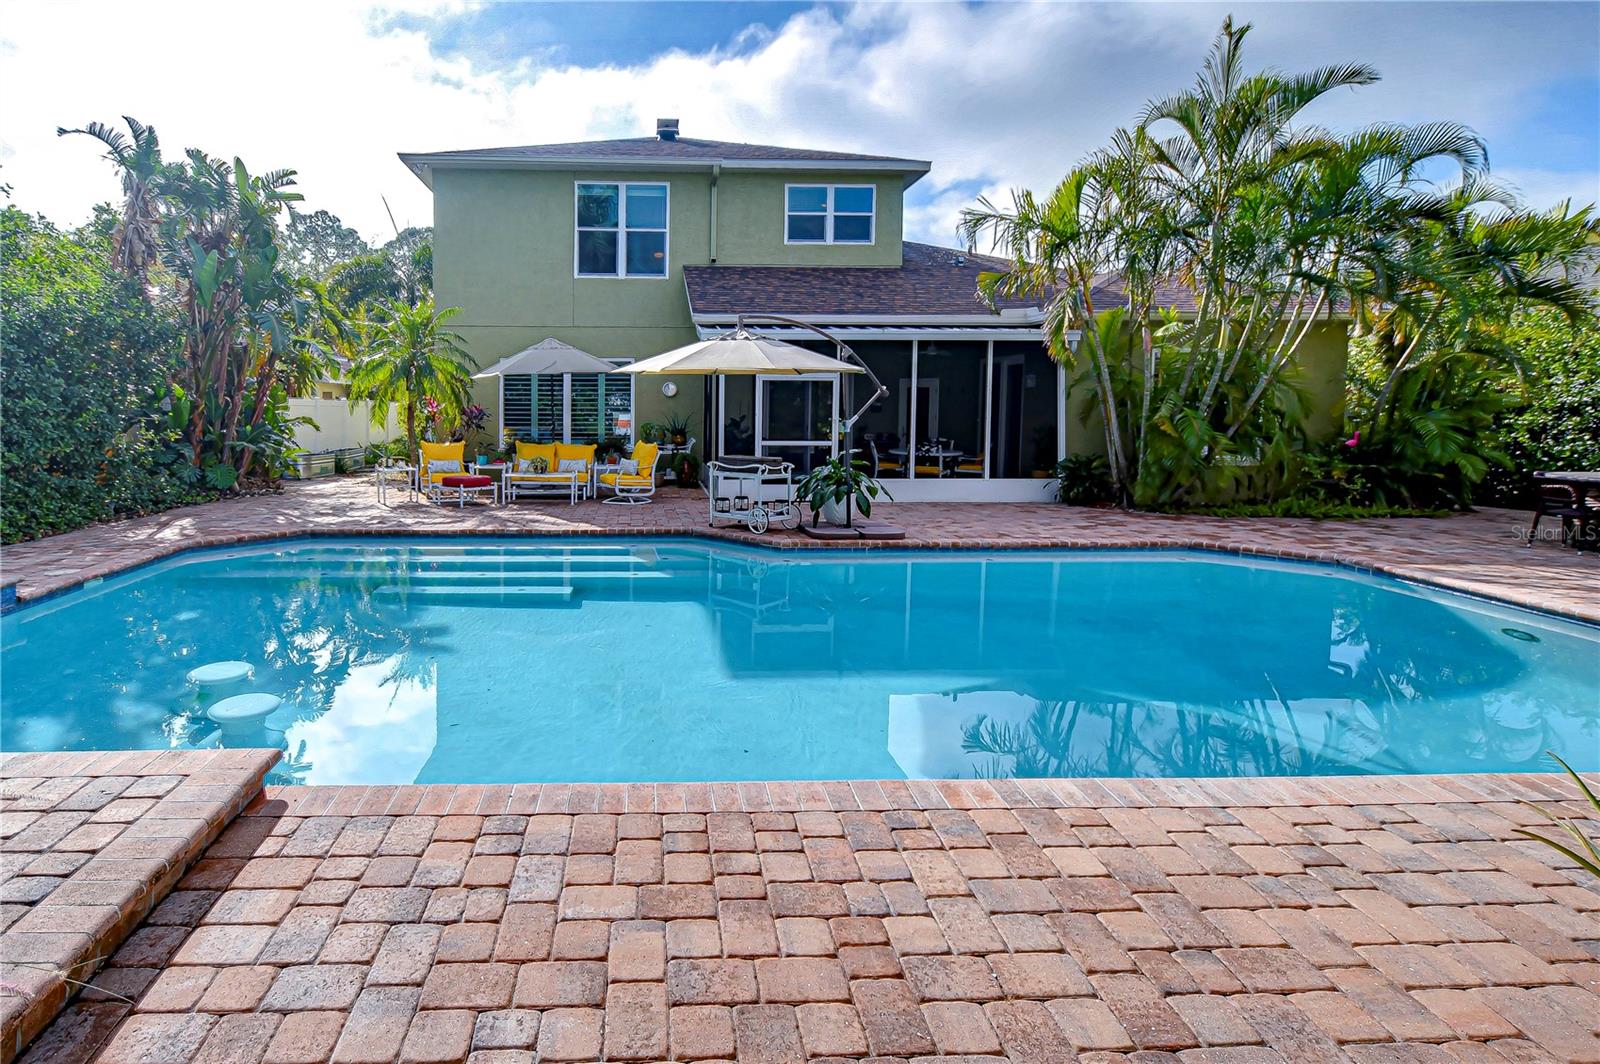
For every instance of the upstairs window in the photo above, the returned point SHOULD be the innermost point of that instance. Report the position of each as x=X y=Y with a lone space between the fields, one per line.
x=621 y=229
x=829 y=214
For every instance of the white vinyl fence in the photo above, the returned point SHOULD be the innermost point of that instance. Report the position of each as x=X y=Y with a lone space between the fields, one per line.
x=339 y=426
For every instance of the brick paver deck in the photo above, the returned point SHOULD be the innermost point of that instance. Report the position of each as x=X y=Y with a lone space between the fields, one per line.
x=1357 y=919
x=89 y=843
x=1480 y=553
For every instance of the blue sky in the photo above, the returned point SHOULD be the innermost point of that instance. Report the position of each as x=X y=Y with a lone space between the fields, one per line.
x=590 y=34
x=996 y=95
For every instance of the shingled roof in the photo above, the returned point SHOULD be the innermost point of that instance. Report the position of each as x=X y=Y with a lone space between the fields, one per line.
x=677 y=152
x=931 y=281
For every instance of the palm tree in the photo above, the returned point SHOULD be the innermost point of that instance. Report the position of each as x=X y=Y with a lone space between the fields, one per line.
x=410 y=358
x=134 y=245
x=1267 y=224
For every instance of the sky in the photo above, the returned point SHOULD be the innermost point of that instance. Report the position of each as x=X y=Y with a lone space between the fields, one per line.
x=997 y=95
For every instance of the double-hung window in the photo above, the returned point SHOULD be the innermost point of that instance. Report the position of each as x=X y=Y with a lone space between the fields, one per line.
x=829 y=214
x=621 y=229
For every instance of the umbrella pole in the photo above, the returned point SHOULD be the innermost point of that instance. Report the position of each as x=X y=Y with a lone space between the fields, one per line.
x=710 y=434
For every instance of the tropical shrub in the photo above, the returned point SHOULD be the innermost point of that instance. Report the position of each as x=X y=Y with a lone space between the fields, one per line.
x=1083 y=480
x=85 y=367
x=1197 y=254
x=202 y=237
x=1553 y=421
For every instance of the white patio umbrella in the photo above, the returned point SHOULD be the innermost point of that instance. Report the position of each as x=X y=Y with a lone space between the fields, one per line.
x=547 y=356
x=742 y=352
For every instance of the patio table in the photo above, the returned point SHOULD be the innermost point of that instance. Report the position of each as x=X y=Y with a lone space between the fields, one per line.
x=1585 y=487
x=383 y=471
x=939 y=454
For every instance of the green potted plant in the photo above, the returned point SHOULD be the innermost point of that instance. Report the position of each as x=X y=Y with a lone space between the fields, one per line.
x=831 y=489
x=677 y=429
x=686 y=468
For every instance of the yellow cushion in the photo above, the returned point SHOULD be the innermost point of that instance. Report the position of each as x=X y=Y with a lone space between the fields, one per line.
x=645 y=454
x=547 y=451
x=630 y=480
x=445 y=452
x=567 y=451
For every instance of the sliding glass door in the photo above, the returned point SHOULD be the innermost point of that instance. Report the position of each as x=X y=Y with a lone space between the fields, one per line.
x=795 y=418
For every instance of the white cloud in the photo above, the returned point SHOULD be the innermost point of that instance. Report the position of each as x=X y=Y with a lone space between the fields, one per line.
x=996 y=96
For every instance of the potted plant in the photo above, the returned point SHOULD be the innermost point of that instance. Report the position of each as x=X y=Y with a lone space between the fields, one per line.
x=832 y=488
x=678 y=430
x=686 y=467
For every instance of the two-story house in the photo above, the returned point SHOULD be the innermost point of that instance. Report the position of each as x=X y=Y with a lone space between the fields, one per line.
x=628 y=248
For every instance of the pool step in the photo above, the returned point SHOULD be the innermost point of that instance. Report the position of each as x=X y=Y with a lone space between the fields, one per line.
x=456 y=552
x=478 y=596
x=490 y=576
x=436 y=577
x=379 y=567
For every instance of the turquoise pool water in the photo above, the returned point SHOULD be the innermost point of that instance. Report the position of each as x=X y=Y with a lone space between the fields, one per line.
x=605 y=660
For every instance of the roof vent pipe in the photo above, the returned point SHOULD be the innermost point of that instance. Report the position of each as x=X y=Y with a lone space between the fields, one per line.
x=666 y=129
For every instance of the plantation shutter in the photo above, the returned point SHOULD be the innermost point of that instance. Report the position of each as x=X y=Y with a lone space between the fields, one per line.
x=585 y=427
x=548 y=425
x=518 y=413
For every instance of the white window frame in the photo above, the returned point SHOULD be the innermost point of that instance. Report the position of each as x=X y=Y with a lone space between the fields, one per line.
x=622 y=230
x=828 y=213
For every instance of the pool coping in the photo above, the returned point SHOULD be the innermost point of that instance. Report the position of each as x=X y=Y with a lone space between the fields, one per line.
x=16 y=602
x=122 y=862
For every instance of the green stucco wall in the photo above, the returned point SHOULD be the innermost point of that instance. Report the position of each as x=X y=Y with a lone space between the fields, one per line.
x=503 y=253
x=1319 y=370
x=750 y=222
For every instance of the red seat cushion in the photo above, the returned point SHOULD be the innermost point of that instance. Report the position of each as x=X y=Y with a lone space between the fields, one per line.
x=466 y=480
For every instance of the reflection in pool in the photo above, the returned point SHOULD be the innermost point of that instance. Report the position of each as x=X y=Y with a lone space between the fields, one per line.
x=606 y=660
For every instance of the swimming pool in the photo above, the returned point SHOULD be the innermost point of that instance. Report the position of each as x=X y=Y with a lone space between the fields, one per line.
x=537 y=660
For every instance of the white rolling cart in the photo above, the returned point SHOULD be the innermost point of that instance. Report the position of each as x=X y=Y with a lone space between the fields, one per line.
x=757 y=492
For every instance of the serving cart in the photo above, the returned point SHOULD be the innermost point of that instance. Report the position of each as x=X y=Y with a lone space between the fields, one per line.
x=759 y=492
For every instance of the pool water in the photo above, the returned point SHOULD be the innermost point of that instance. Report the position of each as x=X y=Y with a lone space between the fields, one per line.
x=533 y=660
